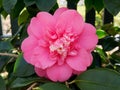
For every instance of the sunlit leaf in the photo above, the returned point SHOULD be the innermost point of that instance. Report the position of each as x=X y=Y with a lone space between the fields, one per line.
x=101 y=33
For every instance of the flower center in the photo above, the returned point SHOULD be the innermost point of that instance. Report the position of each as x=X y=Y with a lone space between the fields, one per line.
x=61 y=47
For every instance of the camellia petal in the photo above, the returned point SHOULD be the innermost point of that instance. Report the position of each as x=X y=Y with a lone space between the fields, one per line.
x=43 y=60
x=29 y=44
x=59 y=11
x=40 y=72
x=59 y=72
x=35 y=28
x=40 y=24
x=80 y=61
x=70 y=21
x=88 y=38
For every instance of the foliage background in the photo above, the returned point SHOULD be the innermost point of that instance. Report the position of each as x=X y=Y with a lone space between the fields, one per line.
x=16 y=74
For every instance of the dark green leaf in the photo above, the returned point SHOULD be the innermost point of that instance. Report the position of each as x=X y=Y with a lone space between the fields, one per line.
x=101 y=53
x=5 y=45
x=17 y=9
x=101 y=33
x=2 y=84
x=4 y=13
x=22 y=68
x=89 y=4
x=53 y=86
x=8 y=5
x=99 y=79
x=108 y=43
x=3 y=61
x=45 y=5
x=98 y=5
x=0 y=3
x=113 y=6
x=116 y=56
x=29 y=2
x=21 y=82
x=23 y=17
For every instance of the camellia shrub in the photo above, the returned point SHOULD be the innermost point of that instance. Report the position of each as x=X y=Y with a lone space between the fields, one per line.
x=55 y=49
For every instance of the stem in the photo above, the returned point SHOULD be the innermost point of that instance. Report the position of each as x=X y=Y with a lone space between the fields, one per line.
x=72 y=82
x=8 y=54
x=33 y=85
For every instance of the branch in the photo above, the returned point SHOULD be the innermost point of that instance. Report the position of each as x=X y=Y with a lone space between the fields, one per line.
x=8 y=54
x=33 y=85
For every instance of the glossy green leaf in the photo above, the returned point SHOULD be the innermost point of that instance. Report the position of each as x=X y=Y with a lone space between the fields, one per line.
x=53 y=86
x=23 y=17
x=89 y=4
x=17 y=9
x=113 y=6
x=45 y=5
x=8 y=5
x=101 y=53
x=29 y=2
x=101 y=33
x=99 y=79
x=2 y=84
x=98 y=5
x=108 y=43
x=21 y=82
x=22 y=68
x=5 y=46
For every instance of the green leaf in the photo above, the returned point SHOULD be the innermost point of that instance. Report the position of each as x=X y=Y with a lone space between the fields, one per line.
x=4 y=13
x=116 y=56
x=113 y=6
x=89 y=4
x=3 y=61
x=45 y=5
x=53 y=86
x=22 y=68
x=17 y=9
x=0 y=3
x=8 y=5
x=98 y=5
x=99 y=79
x=21 y=82
x=108 y=43
x=101 y=53
x=101 y=33
x=23 y=17
x=5 y=46
x=2 y=84
x=29 y=2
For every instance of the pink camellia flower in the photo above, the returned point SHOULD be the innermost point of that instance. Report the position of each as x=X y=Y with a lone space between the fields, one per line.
x=59 y=45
